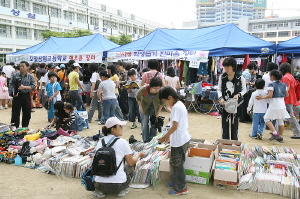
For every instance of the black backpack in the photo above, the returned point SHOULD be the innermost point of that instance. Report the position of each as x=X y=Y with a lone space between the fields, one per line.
x=104 y=163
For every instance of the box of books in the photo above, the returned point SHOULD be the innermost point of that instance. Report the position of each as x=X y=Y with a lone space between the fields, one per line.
x=228 y=142
x=198 y=163
x=226 y=165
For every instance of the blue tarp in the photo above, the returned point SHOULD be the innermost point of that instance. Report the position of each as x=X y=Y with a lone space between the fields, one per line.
x=222 y=40
x=84 y=44
x=291 y=46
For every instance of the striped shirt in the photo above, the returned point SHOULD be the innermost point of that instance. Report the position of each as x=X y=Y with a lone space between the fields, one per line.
x=17 y=80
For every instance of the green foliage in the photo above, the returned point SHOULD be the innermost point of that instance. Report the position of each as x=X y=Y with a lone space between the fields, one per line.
x=121 y=40
x=74 y=33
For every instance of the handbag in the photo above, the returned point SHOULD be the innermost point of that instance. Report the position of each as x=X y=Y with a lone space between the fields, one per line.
x=4 y=89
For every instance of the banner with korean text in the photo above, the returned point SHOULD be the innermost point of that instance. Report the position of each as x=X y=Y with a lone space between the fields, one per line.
x=193 y=56
x=56 y=58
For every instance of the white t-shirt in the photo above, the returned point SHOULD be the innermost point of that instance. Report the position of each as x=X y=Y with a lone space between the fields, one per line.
x=8 y=70
x=121 y=148
x=108 y=89
x=259 y=106
x=181 y=135
x=95 y=77
x=172 y=81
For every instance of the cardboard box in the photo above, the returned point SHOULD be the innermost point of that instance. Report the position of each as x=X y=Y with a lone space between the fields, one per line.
x=225 y=184
x=197 y=177
x=228 y=142
x=198 y=169
x=164 y=164
x=228 y=176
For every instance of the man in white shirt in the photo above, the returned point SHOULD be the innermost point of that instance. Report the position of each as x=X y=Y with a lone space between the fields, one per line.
x=8 y=70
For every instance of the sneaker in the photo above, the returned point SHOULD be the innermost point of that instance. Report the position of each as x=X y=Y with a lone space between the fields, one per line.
x=175 y=193
x=5 y=106
x=122 y=193
x=295 y=137
x=98 y=194
x=133 y=126
x=169 y=185
x=253 y=137
x=259 y=136
x=272 y=137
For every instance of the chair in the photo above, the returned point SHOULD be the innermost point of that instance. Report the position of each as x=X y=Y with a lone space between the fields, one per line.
x=84 y=115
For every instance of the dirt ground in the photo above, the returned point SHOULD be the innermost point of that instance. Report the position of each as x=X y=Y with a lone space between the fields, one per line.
x=18 y=182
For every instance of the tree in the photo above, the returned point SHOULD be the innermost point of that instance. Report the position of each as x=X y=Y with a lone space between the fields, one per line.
x=74 y=33
x=121 y=40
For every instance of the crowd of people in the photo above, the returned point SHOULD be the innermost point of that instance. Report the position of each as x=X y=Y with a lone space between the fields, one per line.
x=119 y=92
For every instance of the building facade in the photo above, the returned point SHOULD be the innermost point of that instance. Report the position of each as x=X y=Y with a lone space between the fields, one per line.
x=226 y=11
x=275 y=30
x=23 y=21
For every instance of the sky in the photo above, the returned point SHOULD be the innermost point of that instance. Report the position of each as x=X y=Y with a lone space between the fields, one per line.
x=173 y=13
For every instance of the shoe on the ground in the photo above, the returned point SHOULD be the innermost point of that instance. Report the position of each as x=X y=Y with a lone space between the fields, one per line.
x=175 y=193
x=5 y=106
x=295 y=137
x=259 y=136
x=133 y=126
x=169 y=185
x=272 y=136
x=97 y=119
x=98 y=194
x=122 y=193
x=253 y=137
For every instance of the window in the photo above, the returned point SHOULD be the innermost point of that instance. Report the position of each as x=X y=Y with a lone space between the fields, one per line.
x=297 y=23
x=81 y=18
x=23 y=33
x=21 y=5
x=258 y=35
x=22 y=23
x=257 y=26
x=68 y=15
x=283 y=34
x=5 y=3
x=283 y=24
x=5 y=31
x=94 y=21
x=39 y=9
x=271 y=34
x=55 y=12
x=297 y=33
x=37 y=35
x=271 y=25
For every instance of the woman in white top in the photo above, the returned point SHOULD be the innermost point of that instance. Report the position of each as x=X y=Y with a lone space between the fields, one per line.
x=117 y=184
x=171 y=79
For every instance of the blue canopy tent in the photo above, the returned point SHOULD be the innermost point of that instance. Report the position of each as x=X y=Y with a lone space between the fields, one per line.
x=222 y=40
x=60 y=49
x=291 y=46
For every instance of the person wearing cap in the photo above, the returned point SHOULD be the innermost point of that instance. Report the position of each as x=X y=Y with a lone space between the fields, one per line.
x=8 y=70
x=74 y=83
x=119 y=183
x=21 y=83
x=53 y=91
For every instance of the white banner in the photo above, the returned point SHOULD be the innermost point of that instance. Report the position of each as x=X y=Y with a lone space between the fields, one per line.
x=56 y=58
x=200 y=56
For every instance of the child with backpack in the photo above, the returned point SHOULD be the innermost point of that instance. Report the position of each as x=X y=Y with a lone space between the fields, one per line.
x=179 y=138
x=276 y=110
x=53 y=91
x=113 y=179
x=74 y=122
